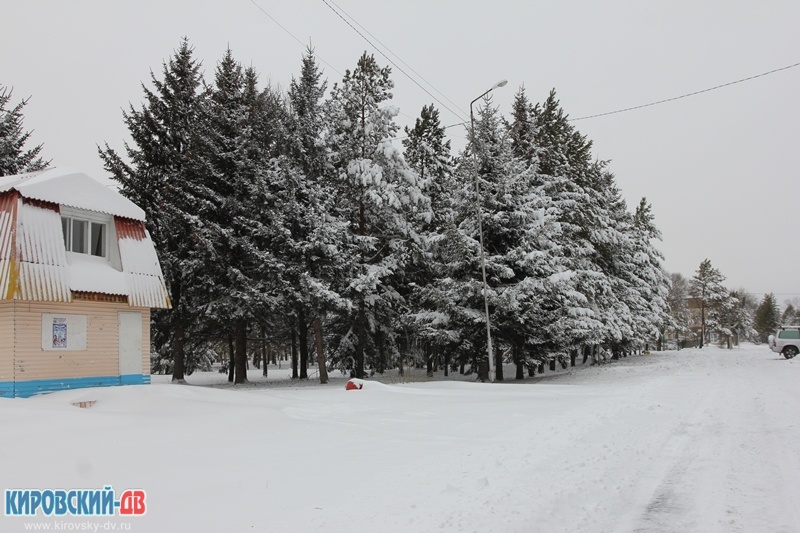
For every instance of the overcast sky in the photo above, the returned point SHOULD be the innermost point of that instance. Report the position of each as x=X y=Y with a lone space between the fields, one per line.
x=720 y=168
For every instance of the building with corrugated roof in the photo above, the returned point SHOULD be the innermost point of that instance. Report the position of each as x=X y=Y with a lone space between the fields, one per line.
x=78 y=277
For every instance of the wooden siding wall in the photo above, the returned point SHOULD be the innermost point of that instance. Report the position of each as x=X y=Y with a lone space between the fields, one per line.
x=101 y=357
x=6 y=342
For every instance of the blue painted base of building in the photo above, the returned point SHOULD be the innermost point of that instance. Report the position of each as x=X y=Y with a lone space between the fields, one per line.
x=25 y=389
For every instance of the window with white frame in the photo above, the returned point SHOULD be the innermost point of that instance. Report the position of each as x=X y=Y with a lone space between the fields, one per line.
x=85 y=236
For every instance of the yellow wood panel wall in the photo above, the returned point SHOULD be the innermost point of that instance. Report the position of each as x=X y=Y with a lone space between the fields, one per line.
x=101 y=357
x=6 y=341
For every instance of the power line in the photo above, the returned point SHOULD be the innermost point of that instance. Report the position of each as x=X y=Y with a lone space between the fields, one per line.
x=686 y=95
x=390 y=60
x=396 y=56
x=444 y=128
x=293 y=37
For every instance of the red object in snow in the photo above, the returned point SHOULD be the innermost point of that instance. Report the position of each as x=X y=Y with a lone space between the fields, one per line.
x=353 y=385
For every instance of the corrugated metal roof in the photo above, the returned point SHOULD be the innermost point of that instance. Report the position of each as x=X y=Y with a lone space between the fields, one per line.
x=8 y=230
x=41 y=256
x=34 y=264
x=140 y=263
x=72 y=188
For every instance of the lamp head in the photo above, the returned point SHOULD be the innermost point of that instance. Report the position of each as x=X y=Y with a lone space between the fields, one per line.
x=501 y=83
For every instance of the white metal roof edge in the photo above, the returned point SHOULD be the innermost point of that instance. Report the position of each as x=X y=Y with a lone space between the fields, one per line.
x=72 y=188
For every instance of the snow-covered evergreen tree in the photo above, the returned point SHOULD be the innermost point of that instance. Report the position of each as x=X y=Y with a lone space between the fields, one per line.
x=239 y=213
x=160 y=176
x=315 y=249
x=379 y=196
x=647 y=276
x=768 y=317
x=14 y=158
x=428 y=154
x=706 y=286
x=738 y=319
x=576 y=187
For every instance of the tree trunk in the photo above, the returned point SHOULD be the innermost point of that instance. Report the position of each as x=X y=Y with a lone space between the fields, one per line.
x=553 y=365
x=518 y=361
x=178 y=335
x=302 y=330
x=264 y=349
x=294 y=351
x=381 y=364
x=447 y=363
x=361 y=333
x=702 y=323
x=573 y=354
x=240 y=333
x=231 y=358
x=177 y=353
x=321 y=364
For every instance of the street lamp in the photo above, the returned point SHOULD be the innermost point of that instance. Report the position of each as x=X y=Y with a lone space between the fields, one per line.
x=501 y=83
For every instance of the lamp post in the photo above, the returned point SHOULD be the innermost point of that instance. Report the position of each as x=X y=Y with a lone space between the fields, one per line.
x=500 y=83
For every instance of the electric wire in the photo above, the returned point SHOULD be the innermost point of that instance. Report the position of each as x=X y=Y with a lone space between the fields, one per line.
x=316 y=55
x=440 y=93
x=587 y=117
x=444 y=128
x=685 y=95
x=295 y=38
x=458 y=115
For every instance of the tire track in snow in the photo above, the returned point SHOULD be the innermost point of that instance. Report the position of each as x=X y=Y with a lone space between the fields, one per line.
x=714 y=479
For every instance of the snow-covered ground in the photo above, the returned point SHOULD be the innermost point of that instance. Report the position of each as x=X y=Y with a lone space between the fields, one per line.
x=689 y=441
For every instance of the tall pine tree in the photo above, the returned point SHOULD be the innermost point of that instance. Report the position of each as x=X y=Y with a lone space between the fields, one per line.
x=378 y=196
x=706 y=286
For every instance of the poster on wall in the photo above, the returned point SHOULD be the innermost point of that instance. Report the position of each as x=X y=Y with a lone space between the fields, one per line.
x=59 y=333
x=63 y=332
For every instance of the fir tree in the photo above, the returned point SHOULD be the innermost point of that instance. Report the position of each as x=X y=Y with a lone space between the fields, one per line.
x=317 y=254
x=428 y=154
x=522 y=128
x=14 y=159
x=160 y=177
x=768 y=317
x=563 y=161
x=239 y=212
x=647 y=276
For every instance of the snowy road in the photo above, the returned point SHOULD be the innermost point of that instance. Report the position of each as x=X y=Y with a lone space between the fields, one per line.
x=684 y=441
x=705 y=441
